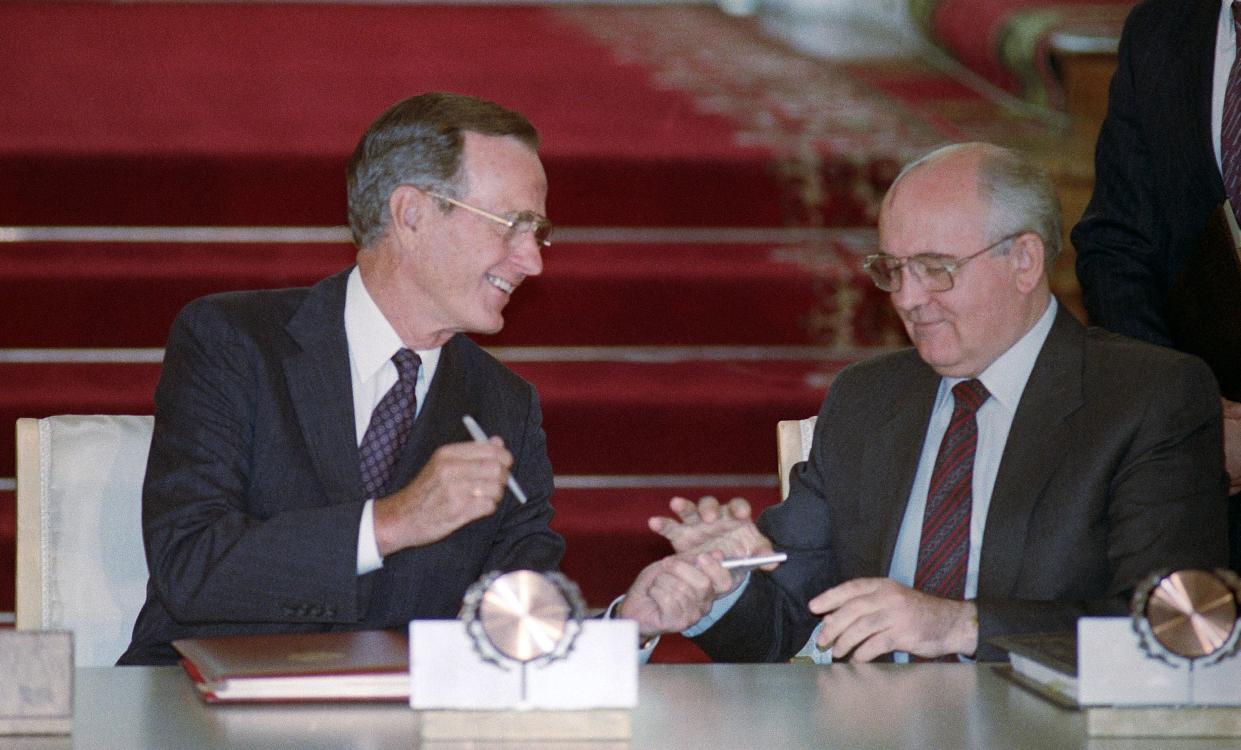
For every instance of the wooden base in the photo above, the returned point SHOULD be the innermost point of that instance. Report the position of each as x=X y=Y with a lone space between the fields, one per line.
x=36 y=682
x=9 y=726
x=524 y=725
x=1180 y=721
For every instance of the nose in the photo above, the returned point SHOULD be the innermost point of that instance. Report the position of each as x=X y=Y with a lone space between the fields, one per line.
x=527 y=255
x=912 y=292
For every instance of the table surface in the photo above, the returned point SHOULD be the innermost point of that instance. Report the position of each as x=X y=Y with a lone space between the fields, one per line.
x=720 y=706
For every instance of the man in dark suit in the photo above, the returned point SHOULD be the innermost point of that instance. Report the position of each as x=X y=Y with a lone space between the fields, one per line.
x=1151 y=260
x=1011 y=472
x=309 y=469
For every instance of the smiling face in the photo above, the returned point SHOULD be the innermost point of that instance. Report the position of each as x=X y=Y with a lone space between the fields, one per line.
x=462 y=268
x=936 y=208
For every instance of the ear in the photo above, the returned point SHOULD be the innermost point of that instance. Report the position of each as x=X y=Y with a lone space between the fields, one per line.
x=1027 y=255
x=406 y=207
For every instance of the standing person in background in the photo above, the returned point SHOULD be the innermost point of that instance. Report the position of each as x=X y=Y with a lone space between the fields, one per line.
x=1155 y=255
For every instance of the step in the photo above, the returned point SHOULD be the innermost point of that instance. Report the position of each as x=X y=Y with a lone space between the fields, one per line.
x=650 y=116
x=703 y=414
x=638 y=287
x=607 y=542
x=246 y=131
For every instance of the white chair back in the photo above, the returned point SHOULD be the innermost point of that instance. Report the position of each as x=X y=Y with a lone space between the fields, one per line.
x=80 y=559
x=793 y=437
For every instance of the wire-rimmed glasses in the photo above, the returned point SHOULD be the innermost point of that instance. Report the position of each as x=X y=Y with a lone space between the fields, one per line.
x=936 y=273
x=517 y=223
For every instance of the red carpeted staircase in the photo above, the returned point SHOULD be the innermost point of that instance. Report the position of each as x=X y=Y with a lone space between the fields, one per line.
x=715 y=191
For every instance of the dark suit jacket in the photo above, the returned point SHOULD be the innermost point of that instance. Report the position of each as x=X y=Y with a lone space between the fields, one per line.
x=1157 y=184
x=253 y=493
x=1112 y=470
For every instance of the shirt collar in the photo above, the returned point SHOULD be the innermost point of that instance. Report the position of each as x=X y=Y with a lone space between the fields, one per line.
x=1005 y=378
x=372 y=339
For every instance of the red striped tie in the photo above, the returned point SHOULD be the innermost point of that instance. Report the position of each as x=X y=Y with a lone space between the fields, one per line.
x=945 y=546
x=1230 y=128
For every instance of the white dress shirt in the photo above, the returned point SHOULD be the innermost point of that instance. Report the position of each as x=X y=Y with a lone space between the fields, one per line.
x=372 y=342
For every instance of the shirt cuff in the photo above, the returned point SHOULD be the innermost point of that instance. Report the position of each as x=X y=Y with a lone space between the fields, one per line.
x=719 y=608
x=644 y=649
x=369 y=559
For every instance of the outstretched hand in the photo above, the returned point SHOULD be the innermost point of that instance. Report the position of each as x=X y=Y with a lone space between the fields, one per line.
x=710 y=526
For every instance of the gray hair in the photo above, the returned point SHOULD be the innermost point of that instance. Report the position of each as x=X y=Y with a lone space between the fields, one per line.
x=1021 y=196
x=419 y=141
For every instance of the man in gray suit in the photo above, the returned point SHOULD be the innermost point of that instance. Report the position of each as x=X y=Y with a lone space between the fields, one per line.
x=1009 y=473
x=309 y=469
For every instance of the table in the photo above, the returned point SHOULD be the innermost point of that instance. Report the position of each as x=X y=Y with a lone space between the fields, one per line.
x=682 y=707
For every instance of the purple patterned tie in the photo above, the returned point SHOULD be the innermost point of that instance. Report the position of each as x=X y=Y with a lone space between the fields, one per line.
x=390 y=425
x=1230 y=128
x=945 y=546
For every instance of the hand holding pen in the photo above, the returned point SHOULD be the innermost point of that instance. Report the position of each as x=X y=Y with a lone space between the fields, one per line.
x=476 y=432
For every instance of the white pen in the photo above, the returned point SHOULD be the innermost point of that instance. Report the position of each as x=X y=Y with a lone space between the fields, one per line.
x=753 y=562
x=479 y=436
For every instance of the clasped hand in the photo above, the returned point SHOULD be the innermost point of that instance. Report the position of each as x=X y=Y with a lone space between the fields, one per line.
x=673 y=593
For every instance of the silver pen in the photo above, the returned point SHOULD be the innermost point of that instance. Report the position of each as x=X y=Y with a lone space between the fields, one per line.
x=757 y=561
x=479 y=436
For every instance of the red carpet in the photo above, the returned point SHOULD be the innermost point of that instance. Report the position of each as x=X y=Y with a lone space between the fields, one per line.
x=232 y=114
x=245 y=114
x=652 y=117
x=693 y=417
x=611 y=542
x=126 y=295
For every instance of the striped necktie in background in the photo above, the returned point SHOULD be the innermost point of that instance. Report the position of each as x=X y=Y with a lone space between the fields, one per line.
x=1230 y=129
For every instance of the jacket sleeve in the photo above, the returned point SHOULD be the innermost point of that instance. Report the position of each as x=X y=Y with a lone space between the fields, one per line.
x=1119 y=250
x=211 y=556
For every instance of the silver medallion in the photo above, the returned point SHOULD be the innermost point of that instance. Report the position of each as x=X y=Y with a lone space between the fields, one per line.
x=1188 y=616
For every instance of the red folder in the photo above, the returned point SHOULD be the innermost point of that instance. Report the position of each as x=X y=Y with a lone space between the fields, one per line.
x=366 y=665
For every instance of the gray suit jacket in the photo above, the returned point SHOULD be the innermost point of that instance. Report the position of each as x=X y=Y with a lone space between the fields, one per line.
x=253 y=493
x=1113 y=468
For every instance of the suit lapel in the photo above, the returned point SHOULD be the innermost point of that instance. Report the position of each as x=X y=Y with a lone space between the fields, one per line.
x=320 y=386
x=1036 y=444
x=891 y=458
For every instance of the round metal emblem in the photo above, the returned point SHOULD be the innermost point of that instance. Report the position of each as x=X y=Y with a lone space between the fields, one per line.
x=523 y=616
x=1188 y=615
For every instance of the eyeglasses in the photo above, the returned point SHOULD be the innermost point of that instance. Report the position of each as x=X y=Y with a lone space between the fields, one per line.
x=934 y=272
x=517 y=223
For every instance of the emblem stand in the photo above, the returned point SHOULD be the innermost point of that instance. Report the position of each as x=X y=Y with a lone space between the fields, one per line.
x=1171 y=668
x=522 y=663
